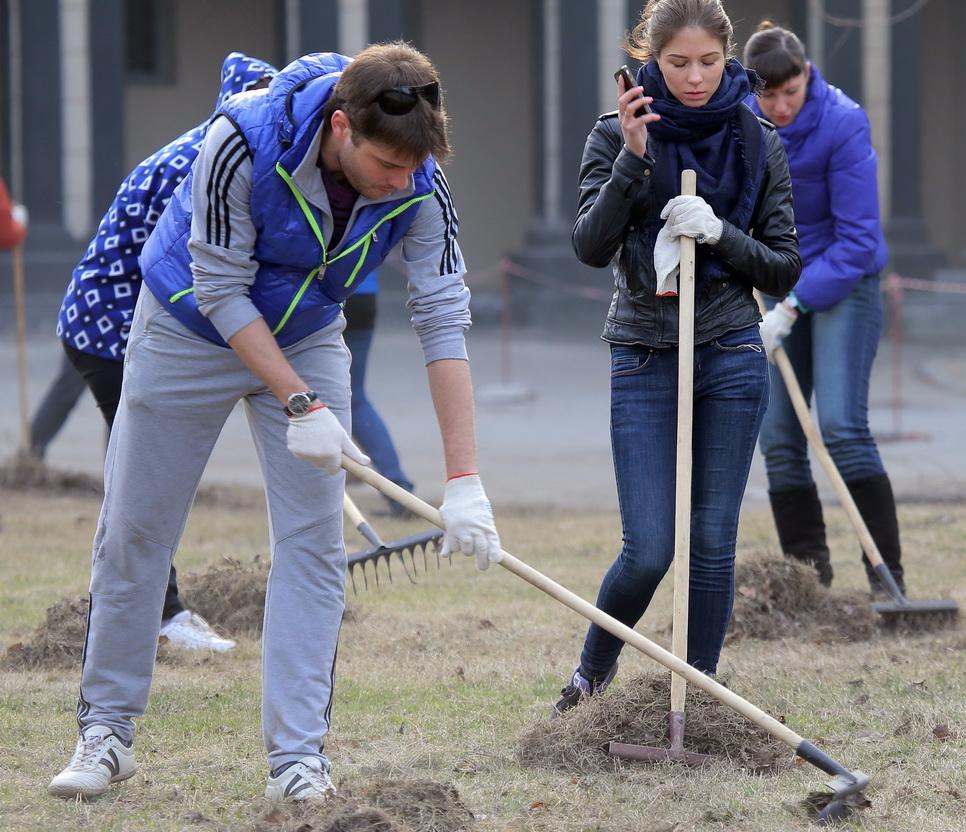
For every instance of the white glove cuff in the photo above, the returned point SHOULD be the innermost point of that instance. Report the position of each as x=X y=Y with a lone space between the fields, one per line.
x=464 y=487
x=712 y=235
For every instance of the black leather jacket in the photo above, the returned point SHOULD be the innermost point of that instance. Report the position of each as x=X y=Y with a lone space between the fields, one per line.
x=615 y=193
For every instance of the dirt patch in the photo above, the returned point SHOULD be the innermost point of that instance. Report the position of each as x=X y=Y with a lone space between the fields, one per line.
x=57 y=643
x=778 y=598
x=232 y=497
x=636 y=712
x=420 y=805
x=24 y=472
x=229 y=595
x=381 y=806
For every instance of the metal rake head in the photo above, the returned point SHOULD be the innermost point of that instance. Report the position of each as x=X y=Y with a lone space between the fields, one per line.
x=415 y=547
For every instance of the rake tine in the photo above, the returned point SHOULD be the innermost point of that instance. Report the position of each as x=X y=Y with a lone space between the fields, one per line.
x=352 y=579
x=402 y=560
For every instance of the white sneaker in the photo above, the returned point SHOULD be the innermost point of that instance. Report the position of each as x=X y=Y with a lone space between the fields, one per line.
x=99 y=760
x=190 y=631
x=307 y=780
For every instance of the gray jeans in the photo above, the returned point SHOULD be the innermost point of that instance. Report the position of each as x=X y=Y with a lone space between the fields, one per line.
x=178 y=391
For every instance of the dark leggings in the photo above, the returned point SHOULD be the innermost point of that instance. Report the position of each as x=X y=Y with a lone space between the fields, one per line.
x=103 y=377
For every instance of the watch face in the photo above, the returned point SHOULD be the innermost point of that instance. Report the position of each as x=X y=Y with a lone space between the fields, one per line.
x=299 y=403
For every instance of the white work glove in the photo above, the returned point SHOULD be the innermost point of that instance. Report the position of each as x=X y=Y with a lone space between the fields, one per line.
x=318 y=437
x=667 y=262
x=691 y=216
x=468 y=521
x=20 y=214
x=776 y=325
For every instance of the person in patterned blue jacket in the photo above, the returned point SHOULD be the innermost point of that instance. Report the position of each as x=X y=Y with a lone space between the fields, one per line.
x=830 y=323
x=298 y=192
x=95 y=316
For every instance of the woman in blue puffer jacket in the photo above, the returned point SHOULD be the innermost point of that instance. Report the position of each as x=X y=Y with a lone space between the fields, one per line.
x=830 y=323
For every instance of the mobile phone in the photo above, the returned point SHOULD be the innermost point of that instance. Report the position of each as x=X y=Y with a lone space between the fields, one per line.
x=629 y=82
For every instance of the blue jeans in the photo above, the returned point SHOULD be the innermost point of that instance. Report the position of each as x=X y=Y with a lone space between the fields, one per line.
x=730 y=397
x=367 y=425
x=832 y=354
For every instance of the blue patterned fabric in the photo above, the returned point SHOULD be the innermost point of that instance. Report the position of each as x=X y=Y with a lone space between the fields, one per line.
x=97 y=308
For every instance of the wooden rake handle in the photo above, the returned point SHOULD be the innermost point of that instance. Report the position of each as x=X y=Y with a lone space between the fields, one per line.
x=589 y=611
x=784 y=364
x=685 y=453
x=352 y=511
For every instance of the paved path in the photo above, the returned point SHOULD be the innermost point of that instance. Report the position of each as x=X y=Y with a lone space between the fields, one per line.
x=552 y=448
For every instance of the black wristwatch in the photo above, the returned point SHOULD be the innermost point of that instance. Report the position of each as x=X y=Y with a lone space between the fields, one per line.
x=300 y=403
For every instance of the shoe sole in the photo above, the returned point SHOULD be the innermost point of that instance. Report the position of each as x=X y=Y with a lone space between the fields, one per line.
x=73 y=794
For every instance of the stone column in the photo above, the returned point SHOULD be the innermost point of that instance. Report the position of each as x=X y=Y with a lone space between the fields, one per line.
x=912 y=254
x=311 y=26
x=566 y=91
x=64 y=67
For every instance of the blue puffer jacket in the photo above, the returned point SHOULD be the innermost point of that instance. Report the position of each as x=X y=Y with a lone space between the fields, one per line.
x=299 y=285
x=833 y=167
x=96 y=312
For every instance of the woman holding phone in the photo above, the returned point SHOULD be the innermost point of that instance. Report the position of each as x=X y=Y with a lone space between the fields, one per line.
x=742 y=221
x=830 y=325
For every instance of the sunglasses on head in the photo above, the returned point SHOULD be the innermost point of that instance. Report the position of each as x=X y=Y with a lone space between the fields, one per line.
x=400 y=100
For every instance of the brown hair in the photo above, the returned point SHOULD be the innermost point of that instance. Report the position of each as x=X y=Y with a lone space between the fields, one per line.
x=662 y=19
x=381 y=67
x=776 y=54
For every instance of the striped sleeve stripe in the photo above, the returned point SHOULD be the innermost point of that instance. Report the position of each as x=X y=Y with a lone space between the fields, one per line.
x=233 y=151
x=224 y=196
x=447 y=263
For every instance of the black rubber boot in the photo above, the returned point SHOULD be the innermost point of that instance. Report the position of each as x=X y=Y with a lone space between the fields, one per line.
x=801 y=528
x=877 y=505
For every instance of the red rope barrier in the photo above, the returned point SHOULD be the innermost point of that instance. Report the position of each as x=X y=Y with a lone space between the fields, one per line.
x=894 y=286
x=588 y=292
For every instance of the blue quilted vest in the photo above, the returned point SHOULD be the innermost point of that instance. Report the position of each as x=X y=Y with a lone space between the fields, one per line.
x=299 y=285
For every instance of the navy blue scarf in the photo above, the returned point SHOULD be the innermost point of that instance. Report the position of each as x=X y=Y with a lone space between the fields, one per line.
x=729 y=160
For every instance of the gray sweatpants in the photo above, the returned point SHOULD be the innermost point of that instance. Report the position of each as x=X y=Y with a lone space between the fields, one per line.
x=178 y=391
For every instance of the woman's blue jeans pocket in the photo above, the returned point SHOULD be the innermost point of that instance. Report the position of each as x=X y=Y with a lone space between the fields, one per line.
x=627 y=361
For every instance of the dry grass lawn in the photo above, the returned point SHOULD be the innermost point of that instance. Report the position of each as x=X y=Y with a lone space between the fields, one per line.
x=441 y=681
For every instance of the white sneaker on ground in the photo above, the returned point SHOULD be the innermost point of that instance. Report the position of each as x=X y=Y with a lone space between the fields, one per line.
x=306 y=780
x=190 y=631
x=99 y=760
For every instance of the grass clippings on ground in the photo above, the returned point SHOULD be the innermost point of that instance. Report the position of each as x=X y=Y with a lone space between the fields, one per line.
x=383 y=805
x=57 y=643
x=636 y=713
x=24 y=472
x=438 y=682
x=778 y=598
x=229 y=595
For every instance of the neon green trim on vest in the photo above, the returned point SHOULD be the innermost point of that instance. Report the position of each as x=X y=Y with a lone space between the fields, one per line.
x=362 y=259
x=365 y=241
x=362 y=241
x=295 y=300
